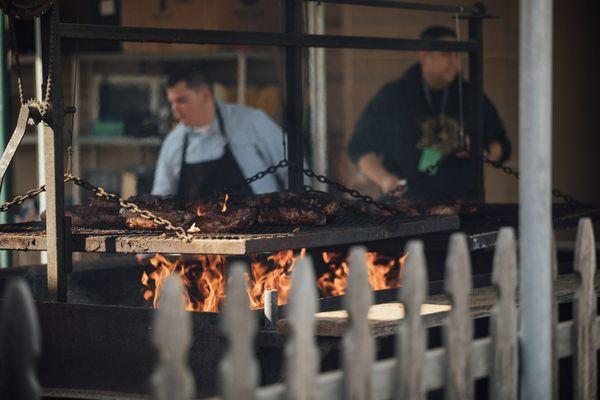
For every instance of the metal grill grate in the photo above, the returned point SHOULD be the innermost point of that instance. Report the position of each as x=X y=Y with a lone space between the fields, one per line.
x=258 y=239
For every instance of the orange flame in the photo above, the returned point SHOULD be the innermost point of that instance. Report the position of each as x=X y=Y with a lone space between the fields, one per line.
x=384 y=273
x=276 y=274
x=204 y=277
x=225 y=203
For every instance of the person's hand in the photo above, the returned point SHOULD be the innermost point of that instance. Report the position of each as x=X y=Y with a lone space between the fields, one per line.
x=390 y=183
x=494 y=151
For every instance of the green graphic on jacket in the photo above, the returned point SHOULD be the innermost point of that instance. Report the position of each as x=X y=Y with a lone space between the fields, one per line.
x=440 y=136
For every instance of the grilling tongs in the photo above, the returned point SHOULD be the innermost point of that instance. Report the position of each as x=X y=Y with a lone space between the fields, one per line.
x=27 y=112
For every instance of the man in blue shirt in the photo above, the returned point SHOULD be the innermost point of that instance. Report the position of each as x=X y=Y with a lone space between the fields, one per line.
x=215 y=145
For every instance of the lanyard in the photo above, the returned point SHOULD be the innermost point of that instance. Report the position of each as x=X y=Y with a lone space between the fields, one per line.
x=429 y=98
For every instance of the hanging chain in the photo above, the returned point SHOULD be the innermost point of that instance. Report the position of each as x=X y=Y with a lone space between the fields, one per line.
x=511 y=171
x=269 y=171
x=323 y=179
x=352 y=192
x=100 y=192
x=18 y=200
x=42 y=105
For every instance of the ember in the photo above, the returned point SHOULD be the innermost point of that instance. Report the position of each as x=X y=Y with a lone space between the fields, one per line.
x=203 y=277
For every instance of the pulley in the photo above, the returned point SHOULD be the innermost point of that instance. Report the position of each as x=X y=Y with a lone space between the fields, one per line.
x=25 y=9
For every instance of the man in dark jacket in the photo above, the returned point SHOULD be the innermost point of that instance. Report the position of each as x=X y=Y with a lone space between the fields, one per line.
x=414 y=122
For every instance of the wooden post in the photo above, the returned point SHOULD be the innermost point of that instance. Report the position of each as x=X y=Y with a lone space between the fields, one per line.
x=238 y=369
x=584 y=313
x=504 y=362
x=172 y=336
x=358 y=343
x=302 y=360
x=458 y=330
x=412 y=336
x=20 y=343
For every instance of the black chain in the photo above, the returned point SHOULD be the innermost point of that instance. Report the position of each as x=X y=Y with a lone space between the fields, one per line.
x=511 y=171
x=352 y=192
x=271 y=170
x=321 y=178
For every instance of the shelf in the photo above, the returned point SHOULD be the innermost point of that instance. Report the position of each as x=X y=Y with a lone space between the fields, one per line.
x=158 y=57
x=106 y=141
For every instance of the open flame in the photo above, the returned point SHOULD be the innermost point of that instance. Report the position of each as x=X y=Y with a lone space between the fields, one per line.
x=204 y=277
x=224 y=208
x=384 y=272
x=205 y=286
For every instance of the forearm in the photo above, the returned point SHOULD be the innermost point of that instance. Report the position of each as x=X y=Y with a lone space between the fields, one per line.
x=371 y=166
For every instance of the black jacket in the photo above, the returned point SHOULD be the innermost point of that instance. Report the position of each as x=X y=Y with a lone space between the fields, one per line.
x=393 y=123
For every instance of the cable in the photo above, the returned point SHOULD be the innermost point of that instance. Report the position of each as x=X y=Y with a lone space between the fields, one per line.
x=460 y=84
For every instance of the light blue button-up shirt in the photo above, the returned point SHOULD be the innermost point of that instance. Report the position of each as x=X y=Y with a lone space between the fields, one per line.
x=256 y=143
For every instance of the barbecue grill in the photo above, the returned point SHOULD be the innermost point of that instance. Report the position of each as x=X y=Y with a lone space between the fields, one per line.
x=107 y=335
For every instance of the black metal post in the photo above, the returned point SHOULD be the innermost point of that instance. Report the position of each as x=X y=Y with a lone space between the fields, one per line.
x=477 y=190
x=53 y=147
x=293 y=97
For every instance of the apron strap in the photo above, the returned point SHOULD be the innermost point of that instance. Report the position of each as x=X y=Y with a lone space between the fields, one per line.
x=183 y=151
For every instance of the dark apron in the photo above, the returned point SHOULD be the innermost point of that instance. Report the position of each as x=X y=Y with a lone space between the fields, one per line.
x=203 y=179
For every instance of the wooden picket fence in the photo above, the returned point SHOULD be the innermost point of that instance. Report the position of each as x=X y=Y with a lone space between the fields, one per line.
x=414 y=370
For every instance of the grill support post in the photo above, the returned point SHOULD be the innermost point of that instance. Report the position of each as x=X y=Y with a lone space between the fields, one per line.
x=535 y=128
x=294 y=102
x=476 y=104
x=54 y=169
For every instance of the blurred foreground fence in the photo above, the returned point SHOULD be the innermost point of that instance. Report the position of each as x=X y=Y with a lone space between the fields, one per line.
x=409 y=375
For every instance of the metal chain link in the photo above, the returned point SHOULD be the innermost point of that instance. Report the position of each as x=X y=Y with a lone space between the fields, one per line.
x=323 y=179
x=18 y=200
x=352 y=192
x=43 y=105
x=271 y=170
x=100 y=192
x=511 y=171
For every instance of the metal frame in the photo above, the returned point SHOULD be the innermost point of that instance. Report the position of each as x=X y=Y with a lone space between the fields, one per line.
x=293 y=40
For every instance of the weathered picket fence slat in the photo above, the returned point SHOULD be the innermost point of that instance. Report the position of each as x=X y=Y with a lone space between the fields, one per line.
x=172 y=336
x=239 y=368
x=301 y=354
x=412 y=336
x=359 y=353
x=503 y=376
x=584 y=313
x=20 y=343
x=458 y=331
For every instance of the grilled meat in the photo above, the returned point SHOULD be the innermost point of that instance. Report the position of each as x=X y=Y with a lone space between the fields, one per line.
x=323 y=201
x=233 y=219
x=176 y=217
x=443 y=209
x=290 y=215
x=156 y=203
x=100 y=202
